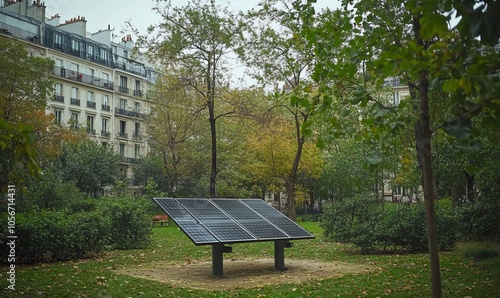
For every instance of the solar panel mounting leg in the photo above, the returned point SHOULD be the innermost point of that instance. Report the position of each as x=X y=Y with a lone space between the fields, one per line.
x=279 y=254
x=217 y=259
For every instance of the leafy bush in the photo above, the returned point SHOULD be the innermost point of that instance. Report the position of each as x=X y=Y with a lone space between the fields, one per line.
x=479 y=221
x=130 y=222
x=49 y=192
x=58 y=235
x=399 y=227
x=481 y=254
x=90 y=228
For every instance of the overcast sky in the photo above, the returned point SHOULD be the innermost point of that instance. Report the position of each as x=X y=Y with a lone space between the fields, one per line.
x=100 y=13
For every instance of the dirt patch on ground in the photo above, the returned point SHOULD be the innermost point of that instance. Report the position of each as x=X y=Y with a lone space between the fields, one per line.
x=242 y=273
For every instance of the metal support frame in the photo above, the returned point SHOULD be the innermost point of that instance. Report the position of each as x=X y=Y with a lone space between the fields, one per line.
x=279 y=254
x=218 y=251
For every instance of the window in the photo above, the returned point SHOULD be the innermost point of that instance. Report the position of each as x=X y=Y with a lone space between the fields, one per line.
x=123 y=103
x=123 y=88
x=74 y=120
x=90 y=51
x=58 y=116
x=90 y=124
x=75 y=67
x=395 y=98
x=122 y=149
x=74 y=100
x=123 y=126
x=58 y=40
x=105 y=126
x=59 y=62
x=123 y=81
x=105 y=100
x=90 y=96
x=137 y=107
x=74 y=92
x=137 y=129
x=58 y=89
x=137 y=85
x=105 y=76
x=125 y=54
x=104 y=53
x=137 y=151
x=75 y=45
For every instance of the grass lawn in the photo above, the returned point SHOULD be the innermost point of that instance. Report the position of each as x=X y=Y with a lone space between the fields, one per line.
x=466 y=272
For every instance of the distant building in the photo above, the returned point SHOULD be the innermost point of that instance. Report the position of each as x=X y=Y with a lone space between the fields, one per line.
x=98 y=86
x=394 y=192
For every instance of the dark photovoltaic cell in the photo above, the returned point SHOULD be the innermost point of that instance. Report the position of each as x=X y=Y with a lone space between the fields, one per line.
x=277 y=218
x=250 y=219
x=186 y=222
x=210 y=221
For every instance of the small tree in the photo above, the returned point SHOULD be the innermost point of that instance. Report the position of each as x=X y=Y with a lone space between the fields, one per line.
x=24 y=89
x=196 y=41
x=90 y=165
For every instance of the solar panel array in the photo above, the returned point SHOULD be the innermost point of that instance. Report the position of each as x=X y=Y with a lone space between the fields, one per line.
x=212 y=221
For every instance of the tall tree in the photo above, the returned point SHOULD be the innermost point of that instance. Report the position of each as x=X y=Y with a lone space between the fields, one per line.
x=413 y=40
x=197 y=40
x=277 y=54
x=24 y=90
x=174 y=121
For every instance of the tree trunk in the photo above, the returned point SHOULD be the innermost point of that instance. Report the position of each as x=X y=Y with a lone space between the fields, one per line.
x=424 y=151
x=213 y=132
x=424 y=154
x=470 y=186
x=292 y=177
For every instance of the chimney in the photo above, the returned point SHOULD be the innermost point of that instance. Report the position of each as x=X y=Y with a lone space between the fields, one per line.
x=77 y=25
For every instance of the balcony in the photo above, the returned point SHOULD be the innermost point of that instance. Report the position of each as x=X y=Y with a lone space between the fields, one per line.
x=83 y=78
x=123 y=89
x=124 y=112
x=105 y=133
x=91 y=104
x=130 y=160
x=122 y=135
x=59 y=98
x=109 y=86
x=106 y=108
x=138 y=93
x=75 y=101
x=395 y=82
x=136 y=135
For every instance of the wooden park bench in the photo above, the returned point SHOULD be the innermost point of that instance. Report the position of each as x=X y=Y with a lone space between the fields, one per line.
x=160 y=218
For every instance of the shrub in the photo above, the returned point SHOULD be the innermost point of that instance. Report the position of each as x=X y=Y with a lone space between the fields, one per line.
x=130 y=222
x=479 y=221
x=88 y=229
x=58 y=235
x=400 y=228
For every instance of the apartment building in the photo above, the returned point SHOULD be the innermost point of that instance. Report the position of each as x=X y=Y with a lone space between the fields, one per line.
x=98 y=87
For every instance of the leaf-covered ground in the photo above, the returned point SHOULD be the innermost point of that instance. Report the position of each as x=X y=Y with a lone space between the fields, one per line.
x=381 y=275
x=242 y=274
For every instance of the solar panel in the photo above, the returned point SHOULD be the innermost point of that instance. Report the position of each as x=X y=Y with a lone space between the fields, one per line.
x=250 y=219
x=186 y=222
x=210 y=221
x=278 y=219
x=218 y=222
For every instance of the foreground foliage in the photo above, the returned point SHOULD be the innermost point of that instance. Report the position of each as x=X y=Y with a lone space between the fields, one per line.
x=392 y=275
x=84 y=229
x=397 y=227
